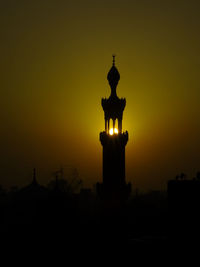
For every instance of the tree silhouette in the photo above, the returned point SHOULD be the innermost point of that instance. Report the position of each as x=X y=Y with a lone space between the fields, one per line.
x=69 y=185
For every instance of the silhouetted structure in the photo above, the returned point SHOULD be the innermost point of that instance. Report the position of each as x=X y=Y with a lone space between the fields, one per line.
x=113 y=141
x=184 y=204
x=33 y=190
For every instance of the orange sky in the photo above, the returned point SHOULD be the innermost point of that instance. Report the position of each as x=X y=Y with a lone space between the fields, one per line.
x=55 y=56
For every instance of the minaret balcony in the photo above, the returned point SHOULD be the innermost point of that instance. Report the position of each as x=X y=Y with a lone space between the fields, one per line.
x=121 y=138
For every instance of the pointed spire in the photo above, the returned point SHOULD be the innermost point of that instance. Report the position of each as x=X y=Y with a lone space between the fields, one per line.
x=34 y=176
x=56 y=182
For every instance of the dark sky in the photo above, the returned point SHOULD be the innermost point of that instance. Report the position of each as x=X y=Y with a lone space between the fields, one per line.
x=54 y=58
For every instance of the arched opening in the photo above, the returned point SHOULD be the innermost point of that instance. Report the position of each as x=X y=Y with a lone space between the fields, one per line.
x=117 y=124
x=113 y=127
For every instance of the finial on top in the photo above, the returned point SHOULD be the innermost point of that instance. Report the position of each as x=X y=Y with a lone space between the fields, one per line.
x=113 y=77
x=113 y=59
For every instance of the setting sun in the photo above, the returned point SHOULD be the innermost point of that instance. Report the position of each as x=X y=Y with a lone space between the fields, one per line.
x=115 y=131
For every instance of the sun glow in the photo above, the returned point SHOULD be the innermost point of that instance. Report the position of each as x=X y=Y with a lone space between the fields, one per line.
x=113 y=131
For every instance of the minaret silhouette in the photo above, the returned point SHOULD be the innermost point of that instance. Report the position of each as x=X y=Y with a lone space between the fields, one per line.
x=113 y=140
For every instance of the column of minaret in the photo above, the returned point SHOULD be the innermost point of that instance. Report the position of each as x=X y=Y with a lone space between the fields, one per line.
x=108 y=126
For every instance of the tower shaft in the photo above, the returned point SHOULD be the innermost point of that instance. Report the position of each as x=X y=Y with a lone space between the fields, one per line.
x=113 y=141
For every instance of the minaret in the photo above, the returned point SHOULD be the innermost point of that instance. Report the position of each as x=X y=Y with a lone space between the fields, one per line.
x=113 y=140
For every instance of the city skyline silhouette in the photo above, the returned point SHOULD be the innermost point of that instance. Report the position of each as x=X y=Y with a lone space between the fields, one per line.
x=54 y=61
x=109 y=211
x=100 y=126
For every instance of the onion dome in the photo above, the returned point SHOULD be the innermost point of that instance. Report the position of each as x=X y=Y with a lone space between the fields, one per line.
x=113 y=77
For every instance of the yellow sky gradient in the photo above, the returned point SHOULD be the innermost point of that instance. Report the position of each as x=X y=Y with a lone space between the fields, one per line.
x=54 y=61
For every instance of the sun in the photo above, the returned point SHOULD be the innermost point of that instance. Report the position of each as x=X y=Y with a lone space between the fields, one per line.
x=113 y=131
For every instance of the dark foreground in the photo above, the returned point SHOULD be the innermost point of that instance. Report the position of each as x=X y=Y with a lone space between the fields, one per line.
x=56 y=221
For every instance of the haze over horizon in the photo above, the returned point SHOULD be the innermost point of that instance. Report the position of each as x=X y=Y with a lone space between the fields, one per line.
x=55 y=57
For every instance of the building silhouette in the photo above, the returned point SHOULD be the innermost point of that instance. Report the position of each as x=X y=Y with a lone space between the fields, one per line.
x=183 y=204
x=113 y=140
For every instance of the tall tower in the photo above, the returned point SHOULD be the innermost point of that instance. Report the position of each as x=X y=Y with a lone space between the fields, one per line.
x=113 y=140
